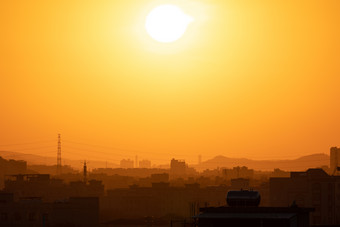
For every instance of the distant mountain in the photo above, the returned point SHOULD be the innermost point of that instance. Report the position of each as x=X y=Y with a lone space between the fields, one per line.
x=32 y=159
x=300 y=164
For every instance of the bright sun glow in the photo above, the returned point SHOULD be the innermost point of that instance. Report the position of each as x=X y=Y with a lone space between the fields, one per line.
x=167 y=23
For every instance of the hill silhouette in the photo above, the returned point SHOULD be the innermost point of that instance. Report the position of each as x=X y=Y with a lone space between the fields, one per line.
x=299 y=164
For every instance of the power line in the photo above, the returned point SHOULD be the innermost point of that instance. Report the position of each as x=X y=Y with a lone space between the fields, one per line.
x=90 y=150
x=116 y=149
x=25 y=154
x=29 y=148
x=100 y=146
x=19 y=144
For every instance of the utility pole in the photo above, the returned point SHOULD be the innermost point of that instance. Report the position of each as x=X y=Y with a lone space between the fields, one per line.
x=59 y=156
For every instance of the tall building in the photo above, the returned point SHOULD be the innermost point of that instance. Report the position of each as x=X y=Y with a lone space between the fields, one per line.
x=178 y=168
x=239 y=183
x=334 y=159
x=313 y=188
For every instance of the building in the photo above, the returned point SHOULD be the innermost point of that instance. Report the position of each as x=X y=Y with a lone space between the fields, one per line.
x=32 y=211
x=242 y=210
x=334 y=159
x=160 y=200
x=11 y=167
x=313 y=188
x=239 y=183
x=237 y=172
x=177 y=168
x=145 y=164
x=126 y=164
x=49 y=190
x=253 y=216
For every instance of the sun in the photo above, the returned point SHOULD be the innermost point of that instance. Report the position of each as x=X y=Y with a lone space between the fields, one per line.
x=167 y=23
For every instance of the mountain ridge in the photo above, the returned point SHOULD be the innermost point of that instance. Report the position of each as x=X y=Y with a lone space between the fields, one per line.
x=298 y=164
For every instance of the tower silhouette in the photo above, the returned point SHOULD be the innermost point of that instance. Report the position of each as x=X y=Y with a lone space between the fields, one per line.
x=59 y=156
x=85 y=172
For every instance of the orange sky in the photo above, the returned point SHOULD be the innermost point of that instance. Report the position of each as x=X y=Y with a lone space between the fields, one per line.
x=256 y=79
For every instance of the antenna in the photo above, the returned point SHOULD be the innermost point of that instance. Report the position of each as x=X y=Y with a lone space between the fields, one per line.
x=59 y=156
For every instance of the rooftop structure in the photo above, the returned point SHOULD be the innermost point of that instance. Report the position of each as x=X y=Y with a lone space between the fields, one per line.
x=253 y=216
x=243 y=198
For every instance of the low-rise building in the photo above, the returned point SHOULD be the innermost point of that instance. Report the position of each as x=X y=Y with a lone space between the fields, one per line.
x=32 y=211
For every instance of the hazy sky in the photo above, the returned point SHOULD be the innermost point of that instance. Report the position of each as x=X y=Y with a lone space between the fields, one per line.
x=256 y=79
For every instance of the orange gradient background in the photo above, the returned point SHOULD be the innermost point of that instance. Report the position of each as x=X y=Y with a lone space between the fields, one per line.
x=255 y=79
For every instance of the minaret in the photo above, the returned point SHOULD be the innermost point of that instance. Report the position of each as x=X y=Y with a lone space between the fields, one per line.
x=85 y=172
x=59 y=156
